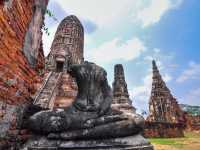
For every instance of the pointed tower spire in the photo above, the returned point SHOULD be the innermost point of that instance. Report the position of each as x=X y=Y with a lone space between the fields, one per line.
x=121 y=98
x=163 y=106
x=154 y=65
x=156 y=73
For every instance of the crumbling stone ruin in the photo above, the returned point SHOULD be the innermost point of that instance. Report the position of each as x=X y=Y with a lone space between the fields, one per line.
x=192 y=116
x=192 y=122
x=166 y=119
x=121 y=100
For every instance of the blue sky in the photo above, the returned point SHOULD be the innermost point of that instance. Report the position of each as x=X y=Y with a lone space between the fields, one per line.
x=133 y=33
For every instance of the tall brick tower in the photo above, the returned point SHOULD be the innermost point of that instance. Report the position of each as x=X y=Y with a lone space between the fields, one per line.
x=68 y=44
x=163 y=106
x=121 y=98
x=59 y=89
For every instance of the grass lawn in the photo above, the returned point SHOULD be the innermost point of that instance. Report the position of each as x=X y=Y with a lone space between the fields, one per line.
x=191 y=141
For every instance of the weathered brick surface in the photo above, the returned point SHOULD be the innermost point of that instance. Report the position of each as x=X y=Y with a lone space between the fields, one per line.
x=67 y=91
x=17 y=77
x=10 y=122
x=164 y=130
x=193 y=122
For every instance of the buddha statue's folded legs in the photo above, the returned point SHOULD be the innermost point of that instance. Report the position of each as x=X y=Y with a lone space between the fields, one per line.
x=104 y=127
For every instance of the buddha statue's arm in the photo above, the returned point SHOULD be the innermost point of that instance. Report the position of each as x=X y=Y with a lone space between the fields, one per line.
x=107 y=100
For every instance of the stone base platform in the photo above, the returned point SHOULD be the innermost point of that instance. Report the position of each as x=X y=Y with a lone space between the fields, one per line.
x=126 y=143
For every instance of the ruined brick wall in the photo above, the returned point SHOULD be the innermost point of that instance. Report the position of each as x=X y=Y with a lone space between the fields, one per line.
x=163 y=130
x=193 y=122
x=17 y=74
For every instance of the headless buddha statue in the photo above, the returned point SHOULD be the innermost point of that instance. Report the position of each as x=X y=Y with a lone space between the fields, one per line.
x=90 y=116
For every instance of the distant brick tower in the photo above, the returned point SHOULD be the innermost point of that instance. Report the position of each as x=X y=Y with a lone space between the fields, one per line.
x=163 y=106
x=121 y=98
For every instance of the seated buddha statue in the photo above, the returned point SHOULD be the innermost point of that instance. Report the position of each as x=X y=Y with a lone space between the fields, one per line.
x=90 y=116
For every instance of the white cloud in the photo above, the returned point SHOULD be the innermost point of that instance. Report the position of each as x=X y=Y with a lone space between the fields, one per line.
x=192 y=72
x=101 y=12
x=142 y=92
x=115 y=50
x=155 y=10
x=105 y=12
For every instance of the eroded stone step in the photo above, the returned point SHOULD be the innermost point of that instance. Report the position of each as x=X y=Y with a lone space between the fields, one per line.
x=46 y=91
x=43 y=97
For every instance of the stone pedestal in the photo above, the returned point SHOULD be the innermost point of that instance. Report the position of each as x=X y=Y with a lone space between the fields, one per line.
x=136 y=142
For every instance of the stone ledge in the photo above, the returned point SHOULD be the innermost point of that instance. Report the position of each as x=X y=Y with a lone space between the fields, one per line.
x=42 y=148
x=96 y=148
x=136 y=142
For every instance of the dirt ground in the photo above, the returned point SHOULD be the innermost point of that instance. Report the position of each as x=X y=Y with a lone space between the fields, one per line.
x=191 y=141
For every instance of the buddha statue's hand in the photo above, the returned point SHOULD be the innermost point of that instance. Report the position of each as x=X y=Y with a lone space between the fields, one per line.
x=105 y=106
x=137 y=119
x=102 y=111
x=89 y=123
